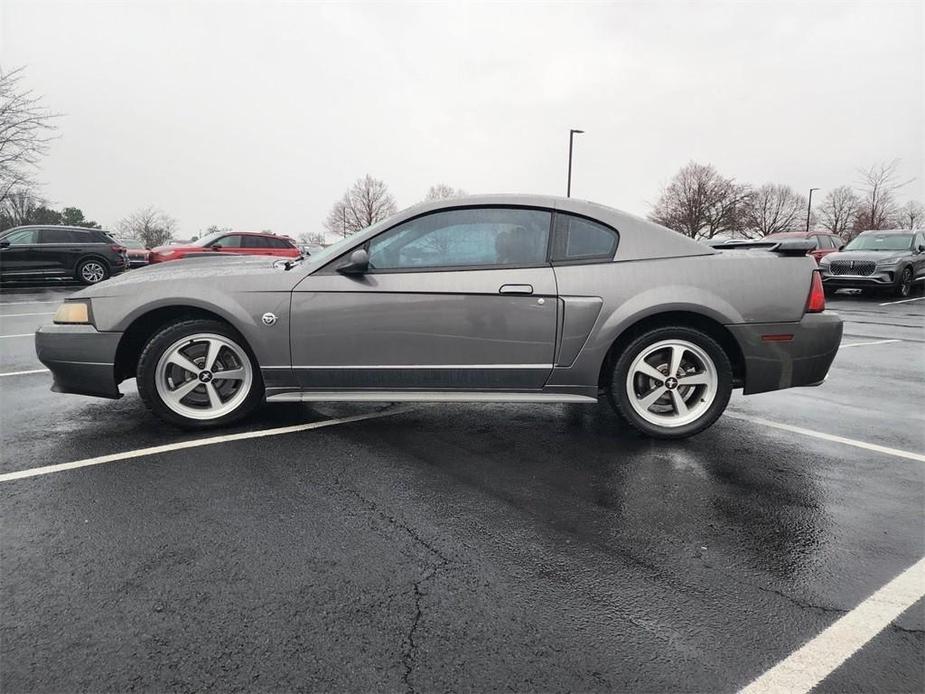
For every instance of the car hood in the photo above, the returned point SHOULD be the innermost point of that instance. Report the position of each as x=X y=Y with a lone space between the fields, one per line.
x=877 y=256
x=225 y=269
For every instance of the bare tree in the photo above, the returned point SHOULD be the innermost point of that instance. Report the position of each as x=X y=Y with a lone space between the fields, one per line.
x=879 y=184
x=25 y=131
x=772 y=208
x=368 y=201
x=838 y=210
x=442 y=191
x=315 y=237
x=151 y=226
x=700 y=203
x=911 y=215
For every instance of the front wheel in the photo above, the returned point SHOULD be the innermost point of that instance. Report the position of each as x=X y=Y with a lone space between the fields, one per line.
x=671 y=383
x=199 y=374
x=904 y=285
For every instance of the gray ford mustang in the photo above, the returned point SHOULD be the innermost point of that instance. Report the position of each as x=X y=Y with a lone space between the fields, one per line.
x=480 y=299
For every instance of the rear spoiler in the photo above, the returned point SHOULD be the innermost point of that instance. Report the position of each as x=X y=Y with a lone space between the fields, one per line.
x=782 y=247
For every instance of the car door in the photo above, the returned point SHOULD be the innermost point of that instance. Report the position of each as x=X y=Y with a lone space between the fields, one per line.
x=19 y=254
x=459 y=299
x=61 y=248
x=230 y=244
x=918 y=256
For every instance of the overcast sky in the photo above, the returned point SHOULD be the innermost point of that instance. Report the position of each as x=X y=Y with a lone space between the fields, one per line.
x=260 y=114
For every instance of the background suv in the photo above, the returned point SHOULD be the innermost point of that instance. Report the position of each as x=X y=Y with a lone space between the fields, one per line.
x=877 y=259
x=229 y=242
x=36 y=252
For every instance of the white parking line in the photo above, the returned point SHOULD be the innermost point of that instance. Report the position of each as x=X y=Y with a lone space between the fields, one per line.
x=24 y=373
x=902 y=301
x=13 y=315
x=16 y=303
x=899 y=453
x=808 y=666
x=196 y=443
x=864 y=344
x=20 y=335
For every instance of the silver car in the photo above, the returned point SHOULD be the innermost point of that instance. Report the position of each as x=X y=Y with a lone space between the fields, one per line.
x=505 y=298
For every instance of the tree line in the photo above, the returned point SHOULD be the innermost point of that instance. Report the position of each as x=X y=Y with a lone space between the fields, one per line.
x=701 y=203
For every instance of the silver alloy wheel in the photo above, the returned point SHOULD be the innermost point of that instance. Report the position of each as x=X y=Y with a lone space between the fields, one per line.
x=671 y=383
x=92 y=272
x=203 y=376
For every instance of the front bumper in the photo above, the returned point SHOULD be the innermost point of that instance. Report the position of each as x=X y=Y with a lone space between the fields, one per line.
x=81 y=359
x=803 y=360
x=880 y=278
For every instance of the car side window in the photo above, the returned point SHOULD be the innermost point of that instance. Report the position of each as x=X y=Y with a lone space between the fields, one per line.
x=280 y=243
x=21 y=238
x=918 y=241
x=253 y=242
x=470 y=237
x=60 y=236
x=231 y=241
x=580 y=239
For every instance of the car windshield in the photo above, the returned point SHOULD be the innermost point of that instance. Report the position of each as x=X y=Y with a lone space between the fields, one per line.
x=880 y=242
x=326 y=254
x=209 y=238
x=131 y=243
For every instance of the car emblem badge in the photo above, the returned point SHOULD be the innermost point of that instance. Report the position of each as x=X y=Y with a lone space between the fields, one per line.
x=851 y=265
x=269 y=319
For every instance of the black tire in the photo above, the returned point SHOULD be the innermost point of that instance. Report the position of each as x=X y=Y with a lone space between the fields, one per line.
x=167 y=337
x=92 y=271
x=904 y=283
x=619 y=374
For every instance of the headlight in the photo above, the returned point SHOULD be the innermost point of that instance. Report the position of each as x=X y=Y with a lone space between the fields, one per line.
x=73 y=312
x=889 y=262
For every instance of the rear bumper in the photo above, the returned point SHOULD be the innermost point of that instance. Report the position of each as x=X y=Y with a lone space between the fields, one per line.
x=803 y=360
x=81 y=359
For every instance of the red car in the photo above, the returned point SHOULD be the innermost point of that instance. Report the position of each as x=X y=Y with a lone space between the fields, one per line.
x=825 y=242
x=230 y=242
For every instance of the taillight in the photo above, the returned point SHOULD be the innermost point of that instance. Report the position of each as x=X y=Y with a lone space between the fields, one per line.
x=816 y=301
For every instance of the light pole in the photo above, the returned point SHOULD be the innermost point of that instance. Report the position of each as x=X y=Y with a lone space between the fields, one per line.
x=809 y=207
x=571 y=136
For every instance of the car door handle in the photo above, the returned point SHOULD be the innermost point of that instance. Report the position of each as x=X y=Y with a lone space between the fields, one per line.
x=516 y=289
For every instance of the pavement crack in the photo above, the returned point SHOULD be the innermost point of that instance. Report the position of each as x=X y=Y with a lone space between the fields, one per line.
x=906 y=630
x=409 y=644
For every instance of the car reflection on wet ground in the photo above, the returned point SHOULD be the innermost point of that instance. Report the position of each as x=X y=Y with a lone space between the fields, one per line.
x=461 y=547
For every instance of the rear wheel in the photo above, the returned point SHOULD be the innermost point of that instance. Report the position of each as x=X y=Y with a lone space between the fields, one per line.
x=199 y=374
x=92 y=271
x=671 y=383
x=904 y=284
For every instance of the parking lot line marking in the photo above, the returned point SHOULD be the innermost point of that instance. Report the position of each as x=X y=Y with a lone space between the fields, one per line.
x=814 y=661
x=899 y=453
x=20 y=335
x=23 y=373
x=13 y=315
x=16 y=303
x=195 y=443
x=901 y=301
x=864 y=344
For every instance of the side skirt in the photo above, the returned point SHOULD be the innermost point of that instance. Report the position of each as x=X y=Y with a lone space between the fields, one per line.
x=426 y=396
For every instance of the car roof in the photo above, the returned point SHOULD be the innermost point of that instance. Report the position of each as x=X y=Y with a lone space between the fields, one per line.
x=872 y=232
x=55 y=226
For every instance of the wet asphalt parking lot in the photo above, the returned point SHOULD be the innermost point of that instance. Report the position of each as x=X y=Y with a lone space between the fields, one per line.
x=449 y=547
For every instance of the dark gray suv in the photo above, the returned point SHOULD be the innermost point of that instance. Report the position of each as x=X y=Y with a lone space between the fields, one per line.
x=883 y=259
x=60 y=252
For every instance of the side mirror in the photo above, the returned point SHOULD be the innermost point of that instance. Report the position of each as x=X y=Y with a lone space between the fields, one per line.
x=216 y=247
x=4 y=244
x=357 y=265
x=919 y=248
